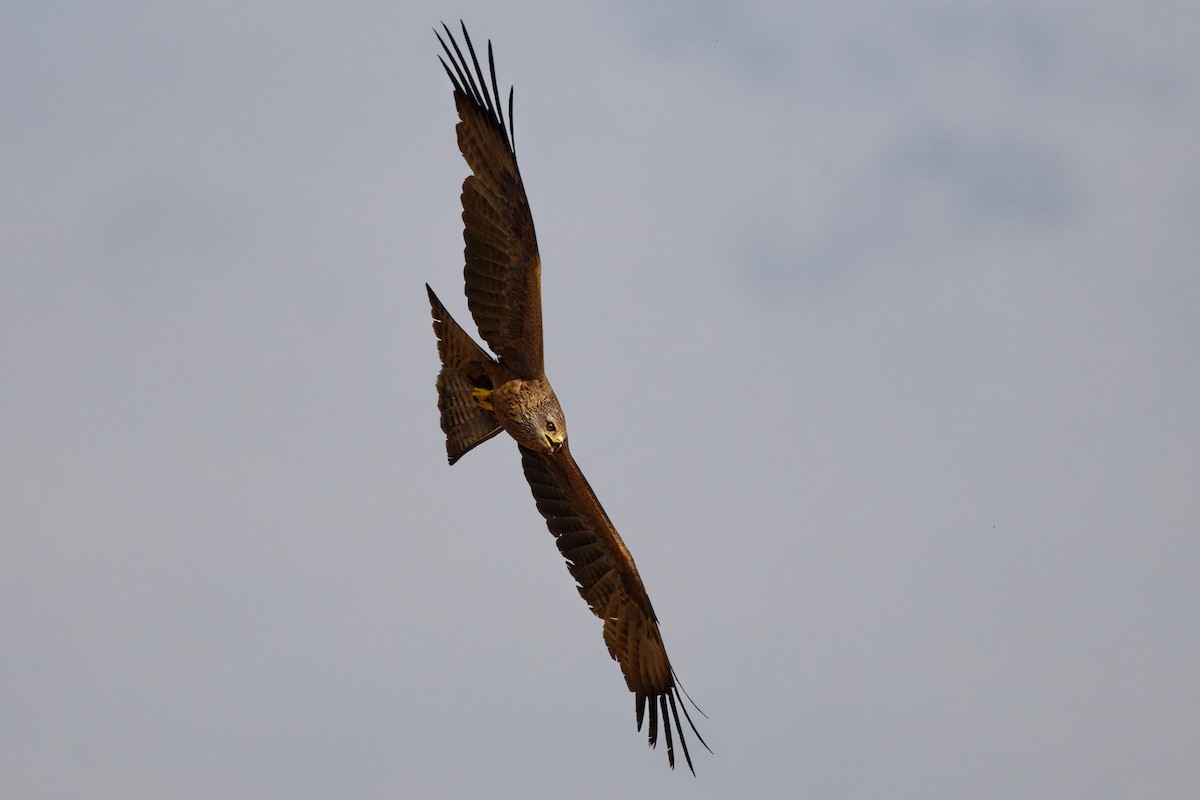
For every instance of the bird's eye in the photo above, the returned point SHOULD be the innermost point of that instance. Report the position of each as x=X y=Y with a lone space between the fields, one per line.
x=550 y=426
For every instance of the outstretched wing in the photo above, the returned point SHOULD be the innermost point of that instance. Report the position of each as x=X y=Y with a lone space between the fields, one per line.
x=608 y=580
x=503 y=271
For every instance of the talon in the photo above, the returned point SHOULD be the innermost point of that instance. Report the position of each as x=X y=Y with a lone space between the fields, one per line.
x=483 y=398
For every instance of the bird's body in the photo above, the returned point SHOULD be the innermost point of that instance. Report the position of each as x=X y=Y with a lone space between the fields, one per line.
x=480 y=395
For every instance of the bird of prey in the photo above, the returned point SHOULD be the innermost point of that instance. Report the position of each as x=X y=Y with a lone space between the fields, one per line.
x=480 y=395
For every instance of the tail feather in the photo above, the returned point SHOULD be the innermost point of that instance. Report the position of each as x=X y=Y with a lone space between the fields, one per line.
x=464 y=367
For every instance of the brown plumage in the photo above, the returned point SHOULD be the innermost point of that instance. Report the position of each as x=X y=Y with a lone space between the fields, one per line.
x=479 y=395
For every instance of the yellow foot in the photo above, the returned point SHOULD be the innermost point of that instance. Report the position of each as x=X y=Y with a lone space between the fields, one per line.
x=483 y=398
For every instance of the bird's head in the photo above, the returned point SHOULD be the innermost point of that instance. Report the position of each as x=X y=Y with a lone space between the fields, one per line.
x=547 y=426
x=552 y=431
x=555 y=434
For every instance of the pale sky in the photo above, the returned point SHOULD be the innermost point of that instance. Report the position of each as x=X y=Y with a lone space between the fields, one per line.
x=877 y=327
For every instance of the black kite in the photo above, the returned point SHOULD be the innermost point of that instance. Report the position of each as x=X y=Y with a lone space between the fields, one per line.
x=479 y=396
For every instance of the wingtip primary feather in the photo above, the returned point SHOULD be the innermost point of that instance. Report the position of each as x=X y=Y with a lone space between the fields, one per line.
x=465 y=83
x=512 y=123
x=660 y=703
x=682 y=738
x=679 y=686
x=495 y=87
x=482 y=95
x=464 y=80
x=457 y=78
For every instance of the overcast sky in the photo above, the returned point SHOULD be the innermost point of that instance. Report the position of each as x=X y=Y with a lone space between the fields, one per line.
x=877 y=326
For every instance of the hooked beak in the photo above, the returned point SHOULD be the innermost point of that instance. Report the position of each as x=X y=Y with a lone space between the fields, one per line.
x=554 y=441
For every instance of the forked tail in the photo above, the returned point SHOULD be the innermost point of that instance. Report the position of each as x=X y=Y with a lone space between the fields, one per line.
x=464 y=368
